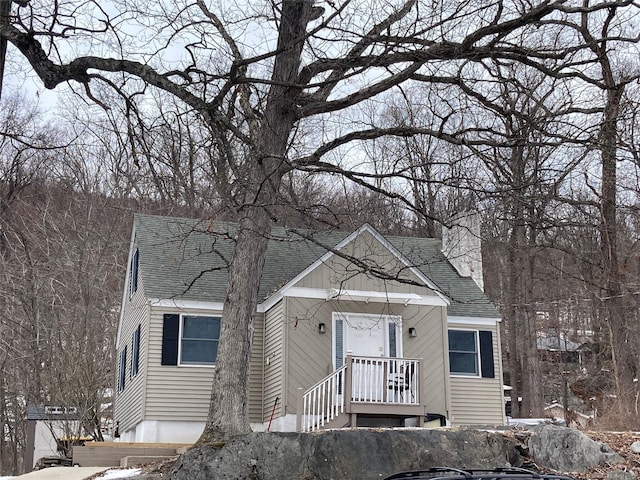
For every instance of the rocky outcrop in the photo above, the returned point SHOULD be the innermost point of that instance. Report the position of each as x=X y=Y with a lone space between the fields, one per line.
x=362 y=454
x=568 y=450
x=342 y=454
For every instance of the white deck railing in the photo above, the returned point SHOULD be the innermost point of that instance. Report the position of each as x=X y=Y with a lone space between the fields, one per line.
x=366 y=380
x=385 y=380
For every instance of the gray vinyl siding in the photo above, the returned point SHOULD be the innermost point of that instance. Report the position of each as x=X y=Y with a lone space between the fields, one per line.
x=479 y=401
x=338 y=272
x=179 y=393
x=430 y=325
x=274 y=364
x=309 y=352
x=309 y=359
x=129 y=404
x=167 y=392
x=256 y=375
x=182 y=393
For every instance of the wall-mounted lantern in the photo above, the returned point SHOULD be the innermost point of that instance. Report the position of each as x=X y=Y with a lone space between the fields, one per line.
x=412 y=332
x=322 y=328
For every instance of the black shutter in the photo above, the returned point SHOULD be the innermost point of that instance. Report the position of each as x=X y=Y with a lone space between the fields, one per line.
x=486 y=354
x=135 y=352
x=170 y=339
x=122 y=370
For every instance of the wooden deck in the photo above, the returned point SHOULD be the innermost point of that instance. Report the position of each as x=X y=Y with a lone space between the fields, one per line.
x=373 y=387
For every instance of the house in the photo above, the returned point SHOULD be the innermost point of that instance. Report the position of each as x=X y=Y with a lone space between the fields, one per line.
x=352 y=329
x=556 y=349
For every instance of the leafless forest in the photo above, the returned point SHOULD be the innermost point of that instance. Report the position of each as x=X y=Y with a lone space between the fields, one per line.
x=398 y=113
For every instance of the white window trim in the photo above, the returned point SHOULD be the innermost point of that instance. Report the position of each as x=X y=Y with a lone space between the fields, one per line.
x=180 y=329
x=345 y=316
x=478 y=356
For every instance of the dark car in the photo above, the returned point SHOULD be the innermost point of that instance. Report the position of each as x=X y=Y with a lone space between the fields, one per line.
x=445 y=473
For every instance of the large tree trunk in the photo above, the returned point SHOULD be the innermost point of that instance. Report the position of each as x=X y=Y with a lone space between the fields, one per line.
x=514 y=328
x=534 y=400
x=612 y=288
x=5 y=10
x=228 y=411
x=524 y=362
x=613 y=84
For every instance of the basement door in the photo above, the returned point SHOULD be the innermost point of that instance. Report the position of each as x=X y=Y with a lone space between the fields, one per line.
x=363 y=335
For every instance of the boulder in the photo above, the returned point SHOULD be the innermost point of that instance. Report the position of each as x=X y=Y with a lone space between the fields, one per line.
x=567 y=450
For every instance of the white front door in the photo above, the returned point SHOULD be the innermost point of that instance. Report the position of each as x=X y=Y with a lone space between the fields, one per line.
x=363 y=335
x=366 y=338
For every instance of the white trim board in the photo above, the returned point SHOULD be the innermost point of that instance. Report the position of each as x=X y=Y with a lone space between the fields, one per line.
x=185 y=304
x=125 y=297
x=486 y=321
x=304 y=292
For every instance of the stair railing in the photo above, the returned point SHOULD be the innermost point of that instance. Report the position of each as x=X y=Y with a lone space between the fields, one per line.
x=370 y=380
x=322 y=402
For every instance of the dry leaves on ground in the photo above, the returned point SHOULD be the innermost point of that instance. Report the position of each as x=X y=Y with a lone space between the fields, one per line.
x=620 y=442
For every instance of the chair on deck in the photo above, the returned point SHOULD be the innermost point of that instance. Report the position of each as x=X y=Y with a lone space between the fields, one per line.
x=402 y=381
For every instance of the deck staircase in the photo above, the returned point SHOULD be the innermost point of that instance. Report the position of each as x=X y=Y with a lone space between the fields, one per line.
x=381 y=387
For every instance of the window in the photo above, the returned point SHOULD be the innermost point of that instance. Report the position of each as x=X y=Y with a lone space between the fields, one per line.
x=471 y=353
x=463 y=352
x=393 y=342
x=135 y=352
x=133 y=274
x=199 y=340
x=189 y=339
x=339 y=342
x=122 y=369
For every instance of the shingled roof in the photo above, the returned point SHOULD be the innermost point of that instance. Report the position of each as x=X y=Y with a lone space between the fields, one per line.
x=186 y=259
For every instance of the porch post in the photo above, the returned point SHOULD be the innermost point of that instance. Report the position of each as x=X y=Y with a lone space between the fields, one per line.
x=422 y=390
x=348 y=386
x=299 y=407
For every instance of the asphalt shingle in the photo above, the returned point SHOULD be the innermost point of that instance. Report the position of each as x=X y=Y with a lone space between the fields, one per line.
x=186 y=259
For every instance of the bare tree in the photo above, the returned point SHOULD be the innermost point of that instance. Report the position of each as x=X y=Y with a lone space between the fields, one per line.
x=59 y=279
x=613 y=85
x=610 y=36
x=283 y=97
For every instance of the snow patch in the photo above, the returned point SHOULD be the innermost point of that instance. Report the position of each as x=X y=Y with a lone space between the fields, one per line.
x=123 y=473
